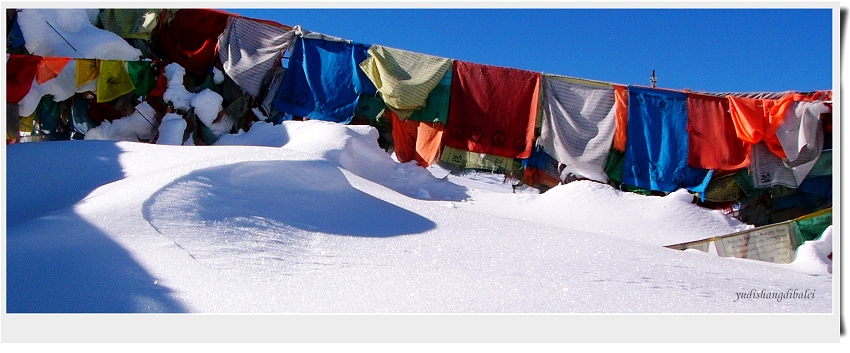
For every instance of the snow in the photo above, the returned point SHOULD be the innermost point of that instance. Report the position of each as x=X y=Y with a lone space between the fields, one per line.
x=61 y=87
x=176 y=93
x=583 y=173
x=222 y=125
x=207 y=105
x=313 y=217
x=67 y=33
x=71 y=33
x=218 y=75
x=174 y=74
x=171 y=130
x=599 y=208
x=812 y=255
x=139 y=126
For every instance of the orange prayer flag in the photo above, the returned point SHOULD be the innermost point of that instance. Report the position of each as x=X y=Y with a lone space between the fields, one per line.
x=621 y=113
x=757 y=120
x=429 y=140
x=748 y=117
x=50 y=68
x=415 y=140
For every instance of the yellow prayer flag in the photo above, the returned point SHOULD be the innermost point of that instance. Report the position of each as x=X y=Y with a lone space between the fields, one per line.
x=404 y=78
x=87 y=70
x=114 y=80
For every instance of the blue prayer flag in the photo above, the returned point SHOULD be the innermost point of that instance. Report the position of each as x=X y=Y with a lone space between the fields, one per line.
x=656 y=154
x=324 y=81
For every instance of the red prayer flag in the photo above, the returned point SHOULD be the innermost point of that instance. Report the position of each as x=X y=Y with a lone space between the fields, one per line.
x=712 y=139
x=20 y=72
x=492 y=109
x=190 y=38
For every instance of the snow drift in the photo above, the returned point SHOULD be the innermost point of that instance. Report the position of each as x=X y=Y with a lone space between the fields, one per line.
x=313 y=217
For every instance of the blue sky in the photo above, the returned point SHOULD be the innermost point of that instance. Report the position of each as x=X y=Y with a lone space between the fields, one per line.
x=715 y=50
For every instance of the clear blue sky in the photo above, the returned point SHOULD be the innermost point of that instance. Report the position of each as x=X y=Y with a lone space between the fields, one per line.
x=714 y=50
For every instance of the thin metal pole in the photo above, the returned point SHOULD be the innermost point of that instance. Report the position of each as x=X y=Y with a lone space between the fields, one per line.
x=60 y=35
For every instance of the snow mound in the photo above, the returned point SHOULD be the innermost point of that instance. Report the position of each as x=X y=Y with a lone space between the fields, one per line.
x=811 y=257
x=353 y=148
x=260 y=134
x=217 y=212
x=139 y=126
x=681 y=195
x=71 y=33
x=176 y=93
x=171 y=130
x=599 y=175
x=207 y=105
x=133 y=227
x=593 y=206
x=600 y=208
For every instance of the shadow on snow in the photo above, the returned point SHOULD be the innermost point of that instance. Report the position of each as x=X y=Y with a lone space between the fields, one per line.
x=45 y=177
x=50 y=269
x=312 y=196
x=56 y=262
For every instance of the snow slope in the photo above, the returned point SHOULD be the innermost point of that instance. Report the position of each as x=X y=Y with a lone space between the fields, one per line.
x=313 y=217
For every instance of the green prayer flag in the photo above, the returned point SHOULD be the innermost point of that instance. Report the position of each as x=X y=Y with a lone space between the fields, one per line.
x=142 y=76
